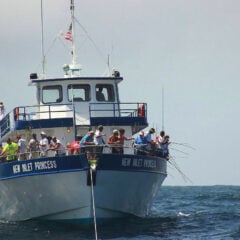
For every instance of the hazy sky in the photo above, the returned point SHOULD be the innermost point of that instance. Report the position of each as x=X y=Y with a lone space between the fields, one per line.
x=189 y=47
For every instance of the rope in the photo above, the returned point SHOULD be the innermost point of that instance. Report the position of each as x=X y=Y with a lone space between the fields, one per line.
x=93 y=201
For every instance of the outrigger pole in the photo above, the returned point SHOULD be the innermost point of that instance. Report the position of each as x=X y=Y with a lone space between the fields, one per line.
x=162 y=108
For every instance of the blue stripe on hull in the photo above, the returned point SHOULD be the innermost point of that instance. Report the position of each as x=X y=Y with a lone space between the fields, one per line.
x=50 y=165
x=46 y=165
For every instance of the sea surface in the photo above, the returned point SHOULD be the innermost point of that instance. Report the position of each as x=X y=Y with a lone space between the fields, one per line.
x=211 y=212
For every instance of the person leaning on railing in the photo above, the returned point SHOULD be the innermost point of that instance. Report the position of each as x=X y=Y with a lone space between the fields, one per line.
x=98 y=139
x=58 y=147
x=33 y=147
x=114 y=141
x=122 y=138
x=10 y=150
x=140 y=144
x=87 y=145
x=22 y=148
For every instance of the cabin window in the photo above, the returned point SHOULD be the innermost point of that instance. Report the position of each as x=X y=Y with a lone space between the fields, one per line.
x=78 y=92
x=105 y=93
x=52 y=94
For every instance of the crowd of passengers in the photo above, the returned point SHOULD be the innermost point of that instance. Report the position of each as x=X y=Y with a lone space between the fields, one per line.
x=92 y=143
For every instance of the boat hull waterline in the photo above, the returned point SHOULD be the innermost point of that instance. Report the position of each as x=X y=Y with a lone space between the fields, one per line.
x=59 y=188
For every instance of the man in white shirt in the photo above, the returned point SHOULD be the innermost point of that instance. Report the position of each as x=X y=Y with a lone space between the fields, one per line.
x=22 y=148
x=58 y=147
x=98 y=138
x=43 y=145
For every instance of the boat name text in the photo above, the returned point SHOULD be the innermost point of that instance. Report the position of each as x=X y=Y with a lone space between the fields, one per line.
x=34 y=166
x=139 y=163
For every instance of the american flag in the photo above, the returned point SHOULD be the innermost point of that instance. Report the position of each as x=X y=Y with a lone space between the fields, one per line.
x=68 y=35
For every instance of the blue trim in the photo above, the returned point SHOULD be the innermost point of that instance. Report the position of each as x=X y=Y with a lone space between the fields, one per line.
x=43 y=123
x=72 y=163
x=41 y=166
x=119 y=121
x=127 y=162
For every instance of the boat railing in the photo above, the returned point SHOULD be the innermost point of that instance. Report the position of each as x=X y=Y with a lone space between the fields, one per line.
x=118 y=109
x=26 y=113
x=35 y=112
x=92 y=152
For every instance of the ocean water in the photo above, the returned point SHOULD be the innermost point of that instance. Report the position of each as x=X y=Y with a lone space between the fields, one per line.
x=211 y=212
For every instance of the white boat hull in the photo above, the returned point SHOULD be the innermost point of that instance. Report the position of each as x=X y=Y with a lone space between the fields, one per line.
x=67 y=196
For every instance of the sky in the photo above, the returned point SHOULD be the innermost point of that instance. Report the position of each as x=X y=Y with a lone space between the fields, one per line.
x=189 y=48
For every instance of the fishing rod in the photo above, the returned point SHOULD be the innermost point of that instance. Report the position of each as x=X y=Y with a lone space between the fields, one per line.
x=184 y=176
x=175 y=149
x=184 y=145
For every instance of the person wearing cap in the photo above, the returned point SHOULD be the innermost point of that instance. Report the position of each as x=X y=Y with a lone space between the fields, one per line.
x=87 y=145
x=140 y=144
x=43 y=145
x=58 y=147
x=2 y=111
x=22 y=148
x=150 y=143
x=98 y=138
x=114 y=140
x=10 y=149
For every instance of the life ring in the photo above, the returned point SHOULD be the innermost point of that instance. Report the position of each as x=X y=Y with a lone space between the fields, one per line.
x=16 y=114
x=141 y=110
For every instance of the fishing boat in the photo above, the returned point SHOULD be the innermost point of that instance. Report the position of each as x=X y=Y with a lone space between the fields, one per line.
x=76 y=187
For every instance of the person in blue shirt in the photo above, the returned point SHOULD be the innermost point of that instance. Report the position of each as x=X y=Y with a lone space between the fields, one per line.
x=150 y=143
x=140 y=144
x=87 y=145
x=165 y=147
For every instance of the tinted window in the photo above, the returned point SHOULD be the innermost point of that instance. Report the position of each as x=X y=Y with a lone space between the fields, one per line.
x=52 y=94
x=105 y=93
x=79 y=92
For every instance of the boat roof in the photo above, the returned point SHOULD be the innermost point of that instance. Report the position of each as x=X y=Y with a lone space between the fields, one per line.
x=117 y=79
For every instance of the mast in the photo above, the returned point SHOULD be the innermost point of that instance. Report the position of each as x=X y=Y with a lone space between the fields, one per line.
x=74 y=67
x=73 y=52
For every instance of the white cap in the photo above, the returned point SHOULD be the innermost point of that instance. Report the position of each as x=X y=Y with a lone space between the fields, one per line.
x=43 y=133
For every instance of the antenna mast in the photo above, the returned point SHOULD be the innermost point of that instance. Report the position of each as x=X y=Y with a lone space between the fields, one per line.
x=74 y=67
x=42 y=41
x=162 y=108
x=74 y=58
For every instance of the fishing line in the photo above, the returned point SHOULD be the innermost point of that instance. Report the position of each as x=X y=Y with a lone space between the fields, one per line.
x=175 y=149
x=184 y=145
x=93 y=166
x=184 y=176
